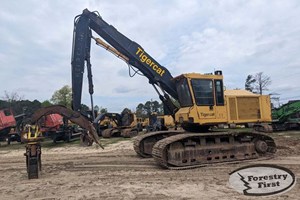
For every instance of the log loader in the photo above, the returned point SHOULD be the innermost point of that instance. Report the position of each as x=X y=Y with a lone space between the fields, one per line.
x=116 y=125
x=9 y=125
x=201 y=98
x=287 y=116
x=32 y=135
x=7 y=122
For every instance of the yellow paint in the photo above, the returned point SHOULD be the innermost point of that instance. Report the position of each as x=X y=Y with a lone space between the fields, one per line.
x=247 y=107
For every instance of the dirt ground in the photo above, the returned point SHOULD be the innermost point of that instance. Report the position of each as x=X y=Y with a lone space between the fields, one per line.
x=74 y=172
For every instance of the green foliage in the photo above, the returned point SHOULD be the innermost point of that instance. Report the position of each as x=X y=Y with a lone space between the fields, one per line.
x=84 y=108
x=46 y=103
x=126 y=110
x=23 y=106
x=145 y=110
x=139 y=110
x=102 y=110
x=96 y=108
x=63 y=96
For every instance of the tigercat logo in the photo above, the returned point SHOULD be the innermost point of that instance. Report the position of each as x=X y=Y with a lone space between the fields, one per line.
x=207 y=114
x=144 y=59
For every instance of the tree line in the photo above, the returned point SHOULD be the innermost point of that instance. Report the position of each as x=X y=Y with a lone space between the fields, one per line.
x=256 y=83
x=63 y=97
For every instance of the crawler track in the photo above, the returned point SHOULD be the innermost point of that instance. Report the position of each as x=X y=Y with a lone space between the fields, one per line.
x=191 y=150
x=143 y=144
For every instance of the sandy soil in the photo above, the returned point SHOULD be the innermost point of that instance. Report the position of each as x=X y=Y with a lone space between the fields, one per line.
x=118 y=173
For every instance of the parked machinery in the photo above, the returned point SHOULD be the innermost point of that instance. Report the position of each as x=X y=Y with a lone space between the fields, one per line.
x=57 y=128
x=116 y=125
x=88 y=135
x=9 y=126
x=156 y=122
x=201 y=98
x=159 y=122
x=7 y=123
x=287 y=116
x=32 y=134
x=142 y=123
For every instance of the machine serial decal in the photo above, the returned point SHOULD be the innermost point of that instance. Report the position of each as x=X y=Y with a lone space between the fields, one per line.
x=144 y=58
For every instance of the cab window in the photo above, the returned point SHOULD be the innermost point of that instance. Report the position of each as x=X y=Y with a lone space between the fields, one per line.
x=184 y=95
x=203 y=91
x=219 y=92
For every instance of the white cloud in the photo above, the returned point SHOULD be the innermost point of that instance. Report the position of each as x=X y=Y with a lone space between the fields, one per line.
x=238 y=37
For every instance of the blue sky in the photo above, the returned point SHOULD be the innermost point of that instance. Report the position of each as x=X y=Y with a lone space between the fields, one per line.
x=238 y=37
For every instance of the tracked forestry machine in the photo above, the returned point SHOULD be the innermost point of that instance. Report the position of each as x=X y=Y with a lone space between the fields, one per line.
x=201 y=98
x=287 y=116
x=116 y=125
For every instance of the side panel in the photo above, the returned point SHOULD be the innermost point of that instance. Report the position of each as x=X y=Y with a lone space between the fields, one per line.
x=232 y=108
x=247 y=109
x=266 y=111
x=203 y=117
x=237 y=109
x=205 y=112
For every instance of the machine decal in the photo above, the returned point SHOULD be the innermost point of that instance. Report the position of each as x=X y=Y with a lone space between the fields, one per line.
x=207 y=114
x=145 y=59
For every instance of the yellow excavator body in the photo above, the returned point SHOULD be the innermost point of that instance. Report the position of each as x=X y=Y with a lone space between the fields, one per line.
x=237 y=106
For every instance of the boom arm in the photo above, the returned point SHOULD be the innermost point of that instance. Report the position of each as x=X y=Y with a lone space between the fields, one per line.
x=135 y=54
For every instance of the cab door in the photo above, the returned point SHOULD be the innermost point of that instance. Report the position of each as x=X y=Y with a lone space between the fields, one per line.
x=204 y=96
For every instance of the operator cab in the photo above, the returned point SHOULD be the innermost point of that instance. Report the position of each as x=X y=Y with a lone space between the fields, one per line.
x=201 y=98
